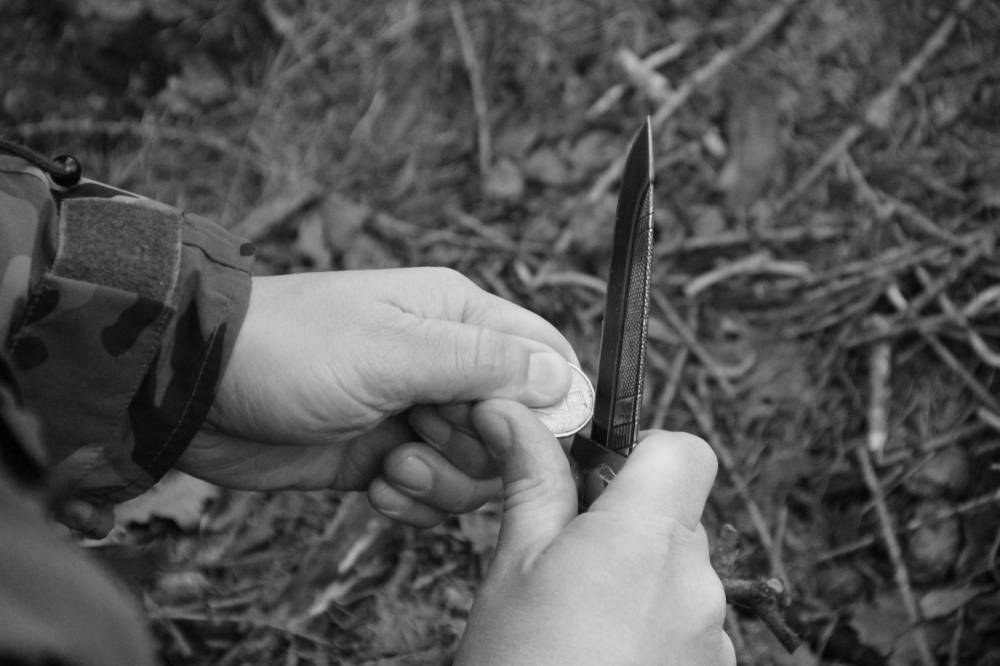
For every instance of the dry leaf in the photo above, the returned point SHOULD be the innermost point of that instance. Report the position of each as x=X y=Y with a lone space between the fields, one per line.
x=594 y=151
x=949 y=472
x=710 y=221
x=504 y=181
x=881 y=623
x=310 y=241
x=516 y=139
x=945 y=601
x=754 y=139
x=547 y=167
x=933 y=548
x=343 y=221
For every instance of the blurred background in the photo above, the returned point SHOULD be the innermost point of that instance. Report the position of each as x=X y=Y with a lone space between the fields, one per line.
x=826 y=283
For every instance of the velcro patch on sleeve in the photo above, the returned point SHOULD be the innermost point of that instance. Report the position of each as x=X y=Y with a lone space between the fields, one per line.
x=121 y=244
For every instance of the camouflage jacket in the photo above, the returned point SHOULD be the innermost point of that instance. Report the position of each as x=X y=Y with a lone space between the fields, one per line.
x=119 y=314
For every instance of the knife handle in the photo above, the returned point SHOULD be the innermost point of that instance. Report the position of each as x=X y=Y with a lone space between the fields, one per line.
x=598 y=465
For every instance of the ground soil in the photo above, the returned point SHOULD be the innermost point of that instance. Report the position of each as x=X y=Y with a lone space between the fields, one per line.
x=825 y=307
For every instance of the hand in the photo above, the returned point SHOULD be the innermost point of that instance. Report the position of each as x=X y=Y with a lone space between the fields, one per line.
x=627 y=582
x=326 y=364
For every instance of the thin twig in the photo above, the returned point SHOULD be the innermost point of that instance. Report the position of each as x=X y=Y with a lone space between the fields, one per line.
x=879 y=376
x=544 y=278
x=713 y=367
x=652 y=61
x=759 y=262
x=476 y=82
x=976 y=341
x=666 y=399
x=943 y=353
x=707 y=72
x=730 y=239
x=966 y=507
x=901 y=573
x=885 y=205
x=242 y=620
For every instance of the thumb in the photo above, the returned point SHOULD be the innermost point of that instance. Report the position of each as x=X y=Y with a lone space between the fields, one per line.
x=458 y=362
x=540 y=496
x=666 y=478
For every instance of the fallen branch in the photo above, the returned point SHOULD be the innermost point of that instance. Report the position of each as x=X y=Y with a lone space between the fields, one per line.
x=765 y=598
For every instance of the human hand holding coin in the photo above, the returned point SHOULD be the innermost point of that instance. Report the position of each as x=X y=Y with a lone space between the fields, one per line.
x=462 y=475
x=568 y=416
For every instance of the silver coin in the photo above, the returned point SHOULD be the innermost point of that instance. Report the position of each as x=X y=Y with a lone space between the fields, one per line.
x=568 y=416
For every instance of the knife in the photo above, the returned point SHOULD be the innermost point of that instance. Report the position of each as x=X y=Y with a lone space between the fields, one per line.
x=614 y=427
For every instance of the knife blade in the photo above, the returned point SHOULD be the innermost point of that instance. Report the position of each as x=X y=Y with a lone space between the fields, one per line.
x=621 y=369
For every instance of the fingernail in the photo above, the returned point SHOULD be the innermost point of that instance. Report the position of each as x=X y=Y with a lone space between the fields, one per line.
x=413 y=475
x=549 y=376
x=389 y=502
x=431 y=427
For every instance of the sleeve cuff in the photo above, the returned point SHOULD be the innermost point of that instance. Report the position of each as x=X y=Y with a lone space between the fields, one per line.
x=123 y=341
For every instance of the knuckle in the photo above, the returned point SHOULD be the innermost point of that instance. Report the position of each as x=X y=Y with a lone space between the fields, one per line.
x=489 y=354
x=447 y=276
x=468 y=501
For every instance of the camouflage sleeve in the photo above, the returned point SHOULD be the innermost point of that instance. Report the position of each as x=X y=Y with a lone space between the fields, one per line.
x=119 y=315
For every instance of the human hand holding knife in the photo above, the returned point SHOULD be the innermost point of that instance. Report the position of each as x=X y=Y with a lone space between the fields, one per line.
x=617 y=401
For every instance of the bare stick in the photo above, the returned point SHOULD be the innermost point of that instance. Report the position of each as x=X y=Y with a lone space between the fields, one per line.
x=652 y=61
x=879 y=110
x=946 y=356
x=879 y=374
x=759 y=262
x=901 y=573
x=764 y=597
x=976 y=341
x=476 y=82
x=710 y=70
x=767 y=599
x=729 y=239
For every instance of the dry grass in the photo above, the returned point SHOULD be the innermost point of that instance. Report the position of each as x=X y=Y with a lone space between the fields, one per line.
x=826 y=300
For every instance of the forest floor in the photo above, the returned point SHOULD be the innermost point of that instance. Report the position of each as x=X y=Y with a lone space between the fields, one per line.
x=826 y=306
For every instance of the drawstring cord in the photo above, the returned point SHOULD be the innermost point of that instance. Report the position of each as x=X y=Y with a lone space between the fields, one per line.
x=64 y=170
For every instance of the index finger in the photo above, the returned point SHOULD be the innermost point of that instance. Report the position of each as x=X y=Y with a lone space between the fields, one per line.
x=668 y=475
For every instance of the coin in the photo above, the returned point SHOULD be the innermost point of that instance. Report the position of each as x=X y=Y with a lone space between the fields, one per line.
x=568 y=416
